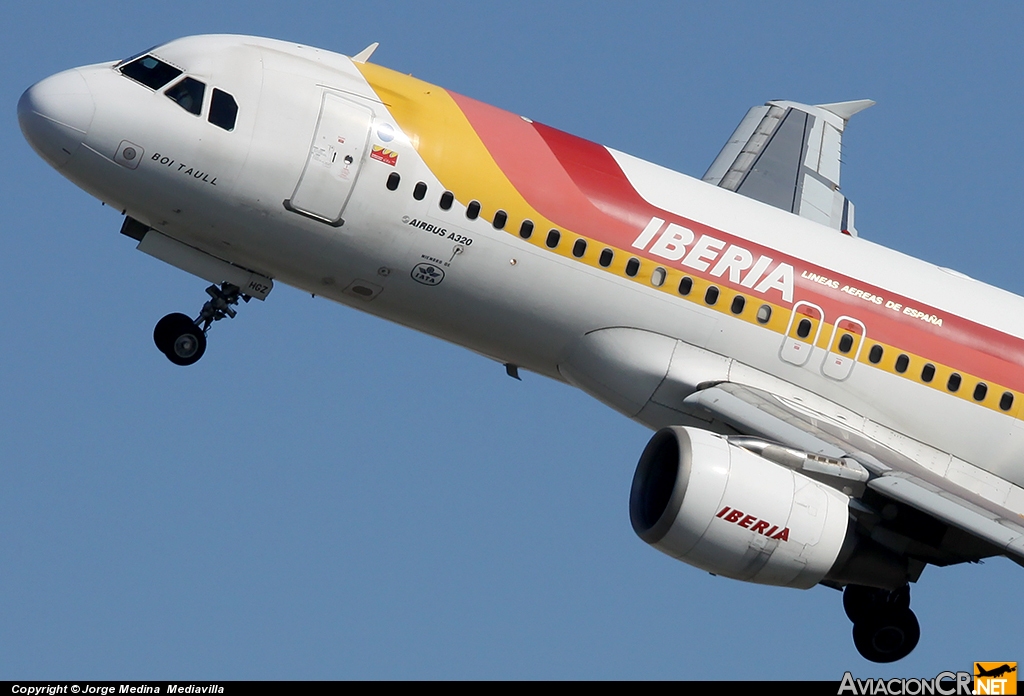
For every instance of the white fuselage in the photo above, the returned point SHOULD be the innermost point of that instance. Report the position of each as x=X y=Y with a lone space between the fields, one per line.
x=502 y=296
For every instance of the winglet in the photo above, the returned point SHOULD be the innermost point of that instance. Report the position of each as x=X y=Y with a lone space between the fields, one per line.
x=364 y=55
x=845 y=110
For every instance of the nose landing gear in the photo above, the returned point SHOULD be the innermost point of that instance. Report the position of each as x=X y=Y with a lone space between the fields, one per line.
x=183 y=340
x=884 y=627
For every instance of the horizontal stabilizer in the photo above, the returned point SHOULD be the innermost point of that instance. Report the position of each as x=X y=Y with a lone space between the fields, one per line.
x=788 y=155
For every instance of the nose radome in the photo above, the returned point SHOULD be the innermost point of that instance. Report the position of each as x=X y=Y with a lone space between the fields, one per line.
x=55 y=115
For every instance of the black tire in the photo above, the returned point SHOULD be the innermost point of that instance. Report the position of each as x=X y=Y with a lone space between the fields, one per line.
x=188 y=346
x=888 y=636
x=167 y=329
x=179 y=339
x=859 y=602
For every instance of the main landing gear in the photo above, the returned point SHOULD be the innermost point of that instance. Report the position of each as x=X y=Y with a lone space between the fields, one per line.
x=884 y=627
x=183 y=340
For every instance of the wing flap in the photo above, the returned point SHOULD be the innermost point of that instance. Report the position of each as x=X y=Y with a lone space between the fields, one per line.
x=954 y=511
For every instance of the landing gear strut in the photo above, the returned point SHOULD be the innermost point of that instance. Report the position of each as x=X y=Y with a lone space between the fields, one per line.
x=183 y=340
x=884 y=627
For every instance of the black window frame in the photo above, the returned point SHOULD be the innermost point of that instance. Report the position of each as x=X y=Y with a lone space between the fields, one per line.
x=184 y=95
x=223 y=110
x=146 y=79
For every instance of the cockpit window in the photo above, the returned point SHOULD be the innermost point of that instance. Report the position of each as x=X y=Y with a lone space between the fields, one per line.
x=223 y=110
x=150 y=71
x=189 y=95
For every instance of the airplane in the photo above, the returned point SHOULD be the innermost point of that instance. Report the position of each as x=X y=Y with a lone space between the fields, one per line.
x=995 y=671
x=826 y=411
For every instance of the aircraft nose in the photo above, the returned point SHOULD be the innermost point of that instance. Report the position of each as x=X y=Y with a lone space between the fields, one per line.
x=55 y=115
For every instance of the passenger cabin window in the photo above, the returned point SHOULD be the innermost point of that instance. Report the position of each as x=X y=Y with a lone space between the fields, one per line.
x=953 y=384
x=579 y=248
x=980 y=391
x=632 y=267
x=711 y=295
x=685 y=285
x=394 y=179
x=902 y=363
x=928 y=373
x=845 y=343
x=526 y=229
x=500 y=218
x=606 y=258
x=553 y=238
x=658 y=277
x=223 y=110
x=188 y=94
x=447 y=198
x=1006 y=401
x=419 y=191
x=803 y=329
x=150 y=71
x=473 y=210
x=875 y=354
x=738 y=303
x=764 y=314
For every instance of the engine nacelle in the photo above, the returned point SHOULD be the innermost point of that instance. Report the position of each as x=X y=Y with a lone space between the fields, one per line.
x=730 y=512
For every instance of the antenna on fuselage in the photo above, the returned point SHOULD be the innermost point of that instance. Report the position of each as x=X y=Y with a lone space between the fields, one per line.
x=364 y=55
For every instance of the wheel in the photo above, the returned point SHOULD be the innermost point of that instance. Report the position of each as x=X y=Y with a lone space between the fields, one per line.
x=858 y=601
x=887 y=636
x=179 y=339
x=188 y=346
x=167 y=329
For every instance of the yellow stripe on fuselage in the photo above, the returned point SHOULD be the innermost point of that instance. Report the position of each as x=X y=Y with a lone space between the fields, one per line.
x=451 y=149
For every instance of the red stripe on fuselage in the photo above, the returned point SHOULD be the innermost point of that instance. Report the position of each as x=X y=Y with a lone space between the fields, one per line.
x=525 y=158
x=578 y=185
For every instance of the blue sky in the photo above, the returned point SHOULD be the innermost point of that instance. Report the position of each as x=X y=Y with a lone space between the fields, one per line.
x=327 y=495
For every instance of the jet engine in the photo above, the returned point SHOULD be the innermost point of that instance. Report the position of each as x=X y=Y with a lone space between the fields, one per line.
x=728 y=511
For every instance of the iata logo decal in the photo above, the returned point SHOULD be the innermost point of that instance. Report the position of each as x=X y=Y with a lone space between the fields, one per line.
x=753 y=524
x=382 y=154
x=428 y=274
x=995 y=677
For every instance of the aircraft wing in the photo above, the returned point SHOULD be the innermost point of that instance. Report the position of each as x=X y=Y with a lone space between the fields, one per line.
x=851 y=458
x=788 y=155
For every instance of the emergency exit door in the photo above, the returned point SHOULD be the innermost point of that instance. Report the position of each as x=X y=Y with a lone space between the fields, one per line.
x=342 y=132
